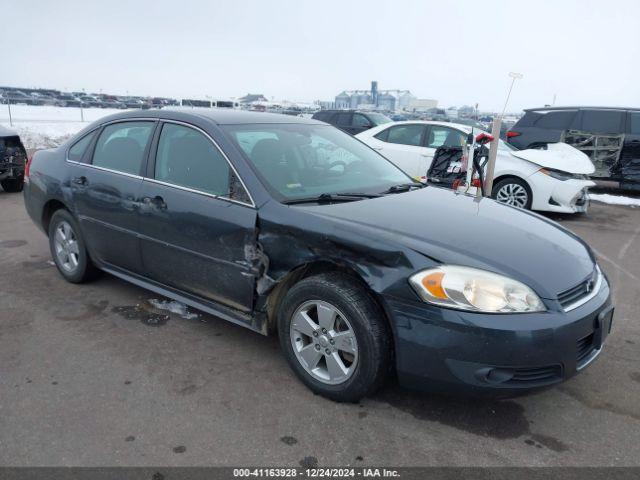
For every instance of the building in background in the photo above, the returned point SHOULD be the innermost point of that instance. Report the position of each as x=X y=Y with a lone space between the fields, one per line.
x=422 y=105
x=251 y=98
x=387 y=100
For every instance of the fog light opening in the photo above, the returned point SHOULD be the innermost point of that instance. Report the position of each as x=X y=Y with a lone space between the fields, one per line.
x=494 y=375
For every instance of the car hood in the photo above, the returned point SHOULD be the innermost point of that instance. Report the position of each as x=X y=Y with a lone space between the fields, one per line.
x=477 y=232
x=559 y=156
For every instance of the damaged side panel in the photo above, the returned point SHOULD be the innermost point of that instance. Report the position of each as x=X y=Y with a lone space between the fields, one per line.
x=282 y=249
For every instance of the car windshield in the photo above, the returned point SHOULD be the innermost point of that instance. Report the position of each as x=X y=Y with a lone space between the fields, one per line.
x=378 y=118
x=296 y=161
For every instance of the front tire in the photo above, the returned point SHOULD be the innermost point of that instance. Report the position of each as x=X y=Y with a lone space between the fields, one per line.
x=513 y=191
x=68 y=248
x=12 y=185
x=335 y=337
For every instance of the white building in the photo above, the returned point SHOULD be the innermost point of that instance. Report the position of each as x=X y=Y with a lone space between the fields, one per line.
x=421 y=105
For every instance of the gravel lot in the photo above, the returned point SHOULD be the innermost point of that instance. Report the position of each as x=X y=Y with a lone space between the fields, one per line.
x=88 y=379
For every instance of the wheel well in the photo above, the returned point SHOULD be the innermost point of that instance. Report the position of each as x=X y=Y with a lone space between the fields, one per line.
x=47 y=212
x=504 y=177
x=277 y=294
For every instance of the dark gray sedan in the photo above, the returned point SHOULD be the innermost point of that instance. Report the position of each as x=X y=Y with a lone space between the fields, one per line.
x=288 y=225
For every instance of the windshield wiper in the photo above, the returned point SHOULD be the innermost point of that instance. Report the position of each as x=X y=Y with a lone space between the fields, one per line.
x=332 y=197
x=404 y=187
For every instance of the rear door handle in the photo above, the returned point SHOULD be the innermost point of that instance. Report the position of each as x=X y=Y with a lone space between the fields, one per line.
x=82 y=180
x=377 y=148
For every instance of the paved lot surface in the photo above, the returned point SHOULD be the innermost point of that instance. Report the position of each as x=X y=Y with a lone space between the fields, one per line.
x=85 y=381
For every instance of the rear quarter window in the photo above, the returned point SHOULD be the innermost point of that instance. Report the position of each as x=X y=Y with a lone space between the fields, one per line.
x=322 y=116
x=529 y=119
x=559 y=119
x=76 y=152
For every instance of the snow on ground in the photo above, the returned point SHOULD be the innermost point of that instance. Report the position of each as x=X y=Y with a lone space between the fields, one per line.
x=46 y=127
x=615 y=199
x=36 y=136
x=173 y=307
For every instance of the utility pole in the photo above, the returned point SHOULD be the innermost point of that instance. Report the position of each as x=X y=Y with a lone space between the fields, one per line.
x=9 y=107
x=495 y=132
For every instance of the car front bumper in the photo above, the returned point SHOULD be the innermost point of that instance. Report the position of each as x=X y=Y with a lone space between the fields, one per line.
x=562 y=196
x=452 y=351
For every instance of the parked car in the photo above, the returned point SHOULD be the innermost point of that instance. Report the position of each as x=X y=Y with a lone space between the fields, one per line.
x=17 y=97
x=68 y=100
x=90 y=101
x=131 y=102
x=288 y=225
x=350 y=121
x=112 y=103
x=553 y=179
x=42 y=98
x=13 y=158
x=610 y=136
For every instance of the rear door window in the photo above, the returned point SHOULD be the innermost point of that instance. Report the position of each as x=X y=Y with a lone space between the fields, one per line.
x=602 y=121
x=406 y=134
x=121 y=146
x=439 y=136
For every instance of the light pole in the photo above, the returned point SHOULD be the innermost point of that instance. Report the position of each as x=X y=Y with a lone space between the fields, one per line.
x=514 y=76
x=493 y=148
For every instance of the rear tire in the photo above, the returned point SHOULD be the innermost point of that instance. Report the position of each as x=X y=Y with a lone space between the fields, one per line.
x=68 y=248
x=351 y=357
x=13 y=185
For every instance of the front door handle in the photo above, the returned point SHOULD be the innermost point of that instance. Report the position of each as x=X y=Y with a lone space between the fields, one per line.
x=377 y=148
x=157 y=202
x=82 y=180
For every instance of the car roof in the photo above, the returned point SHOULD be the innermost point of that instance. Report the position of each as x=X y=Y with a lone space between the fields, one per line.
x=220 y=116
x=583 y=107
x=457 y=126
x=6 y=132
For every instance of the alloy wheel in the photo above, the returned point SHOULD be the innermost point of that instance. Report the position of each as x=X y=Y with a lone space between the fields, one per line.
x=324 y=342
x=66 y=247
x=513 y=194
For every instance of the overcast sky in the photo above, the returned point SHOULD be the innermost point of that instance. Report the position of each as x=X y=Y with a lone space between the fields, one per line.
x=585 y=52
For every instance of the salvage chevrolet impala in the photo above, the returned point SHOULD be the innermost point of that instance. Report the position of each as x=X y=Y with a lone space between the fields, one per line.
x=288 y=225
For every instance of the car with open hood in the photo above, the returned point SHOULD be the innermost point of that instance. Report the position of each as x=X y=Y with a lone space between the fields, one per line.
x=553 y=178
x=290 y=226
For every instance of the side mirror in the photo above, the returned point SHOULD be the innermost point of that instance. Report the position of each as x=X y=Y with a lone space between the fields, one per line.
x=484 y=138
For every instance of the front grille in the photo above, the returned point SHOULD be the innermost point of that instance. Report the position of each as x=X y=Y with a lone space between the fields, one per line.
x=585 y=347
x=580 y=291
x=535 y=376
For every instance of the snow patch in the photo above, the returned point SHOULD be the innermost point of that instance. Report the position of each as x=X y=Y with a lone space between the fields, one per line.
x=36 y=136
x=173 y=307
x=46 y=126
x=615 y=199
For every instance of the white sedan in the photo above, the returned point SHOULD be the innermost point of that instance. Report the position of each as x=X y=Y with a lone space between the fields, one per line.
x=554 y=179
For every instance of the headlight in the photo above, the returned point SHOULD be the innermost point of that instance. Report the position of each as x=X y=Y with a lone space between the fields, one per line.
x=561 y=175
x=476 y=290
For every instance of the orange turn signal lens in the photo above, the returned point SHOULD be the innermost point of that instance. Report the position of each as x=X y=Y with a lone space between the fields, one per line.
x=433 y=284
